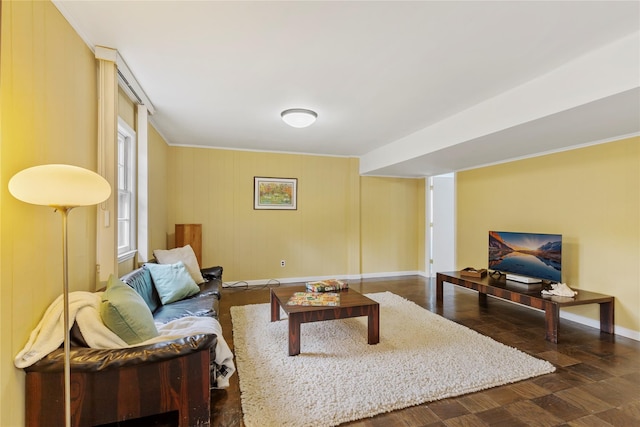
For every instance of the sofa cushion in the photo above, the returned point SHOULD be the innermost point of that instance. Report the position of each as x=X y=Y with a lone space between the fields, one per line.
x=193 y=306
x=184 y=254
x=204 y=303
x=172 y=281
x=140 y=281
x=125 y=312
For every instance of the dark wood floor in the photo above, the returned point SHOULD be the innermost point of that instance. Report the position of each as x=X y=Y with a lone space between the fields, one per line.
x=597 y=381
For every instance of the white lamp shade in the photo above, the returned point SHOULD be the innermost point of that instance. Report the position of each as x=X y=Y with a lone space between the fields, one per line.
x=299 y=117
x=59 y=185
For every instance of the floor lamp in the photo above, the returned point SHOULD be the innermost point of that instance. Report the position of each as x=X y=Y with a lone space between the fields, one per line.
x=62 y=187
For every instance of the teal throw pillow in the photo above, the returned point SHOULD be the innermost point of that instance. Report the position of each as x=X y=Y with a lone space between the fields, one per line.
x=172 y=281
x=124 y=312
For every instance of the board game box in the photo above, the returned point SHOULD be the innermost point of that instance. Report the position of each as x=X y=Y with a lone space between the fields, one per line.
x=315 y=299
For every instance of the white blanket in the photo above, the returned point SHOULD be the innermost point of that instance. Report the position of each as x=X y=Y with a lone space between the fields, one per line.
x=84 y=309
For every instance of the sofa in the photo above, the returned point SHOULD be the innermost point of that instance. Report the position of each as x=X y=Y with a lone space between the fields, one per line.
x=114 y=385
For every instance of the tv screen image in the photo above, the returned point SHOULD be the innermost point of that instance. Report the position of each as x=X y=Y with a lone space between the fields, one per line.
x=526 y=254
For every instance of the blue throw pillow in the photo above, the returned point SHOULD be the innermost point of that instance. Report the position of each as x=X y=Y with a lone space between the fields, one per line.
x=172 y=281
x=124 y=312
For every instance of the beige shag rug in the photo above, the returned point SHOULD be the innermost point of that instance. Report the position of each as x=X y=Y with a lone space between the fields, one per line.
x=338 y=377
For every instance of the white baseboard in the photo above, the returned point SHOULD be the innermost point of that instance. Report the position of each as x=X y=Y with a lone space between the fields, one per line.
x=264 y=282
x=390 y=274
x=587 y=321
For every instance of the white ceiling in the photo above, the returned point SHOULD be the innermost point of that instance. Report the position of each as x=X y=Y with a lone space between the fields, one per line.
x=384 y=77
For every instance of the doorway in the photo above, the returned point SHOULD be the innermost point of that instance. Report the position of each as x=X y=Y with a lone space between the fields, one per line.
x=441 y=224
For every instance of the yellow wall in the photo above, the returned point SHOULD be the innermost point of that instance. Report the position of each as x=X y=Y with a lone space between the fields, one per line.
x=48 y=115
x=590 y=195
x=392 y=220
x=215 y=188
x=321 y=238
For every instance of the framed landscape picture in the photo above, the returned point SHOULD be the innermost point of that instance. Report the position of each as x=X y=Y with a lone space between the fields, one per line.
x=275 y=193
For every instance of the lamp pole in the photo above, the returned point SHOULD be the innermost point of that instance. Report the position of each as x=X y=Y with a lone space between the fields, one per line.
x=64 y=211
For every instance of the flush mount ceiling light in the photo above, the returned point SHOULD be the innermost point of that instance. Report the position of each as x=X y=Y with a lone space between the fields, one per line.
x=299 y=117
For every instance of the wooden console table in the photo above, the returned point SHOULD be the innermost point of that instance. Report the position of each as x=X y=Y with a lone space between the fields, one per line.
x=551 y=304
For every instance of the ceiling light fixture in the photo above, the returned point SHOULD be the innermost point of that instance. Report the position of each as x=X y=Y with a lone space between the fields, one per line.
x=299 y=117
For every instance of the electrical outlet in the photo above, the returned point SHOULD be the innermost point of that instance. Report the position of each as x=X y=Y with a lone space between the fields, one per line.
x=283 y=263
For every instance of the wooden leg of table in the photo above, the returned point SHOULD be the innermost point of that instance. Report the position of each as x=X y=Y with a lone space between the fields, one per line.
x=374 y=325
x=439 y=290
x=551 y=320
x=482 y=299
x=275 y=308
x=607 y=319
x=294 y=334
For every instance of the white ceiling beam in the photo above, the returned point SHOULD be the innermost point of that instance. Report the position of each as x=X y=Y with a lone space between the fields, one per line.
x=607 y=71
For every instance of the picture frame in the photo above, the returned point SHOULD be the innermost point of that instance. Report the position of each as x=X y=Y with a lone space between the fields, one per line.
x=275 y=193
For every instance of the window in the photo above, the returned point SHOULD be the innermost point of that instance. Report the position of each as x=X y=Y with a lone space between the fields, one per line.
x=126 y=190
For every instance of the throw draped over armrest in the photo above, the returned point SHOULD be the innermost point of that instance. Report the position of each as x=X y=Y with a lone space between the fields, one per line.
x=92 y=359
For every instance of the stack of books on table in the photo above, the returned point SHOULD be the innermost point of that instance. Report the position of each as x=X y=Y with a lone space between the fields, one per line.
x=329 y=285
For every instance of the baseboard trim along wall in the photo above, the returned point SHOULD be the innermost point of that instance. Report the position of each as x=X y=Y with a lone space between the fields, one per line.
x=392 y=273
x=619 y=330
x=264 y=282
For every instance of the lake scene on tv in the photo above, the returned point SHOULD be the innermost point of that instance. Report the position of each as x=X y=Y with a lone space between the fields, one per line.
x=526 y=254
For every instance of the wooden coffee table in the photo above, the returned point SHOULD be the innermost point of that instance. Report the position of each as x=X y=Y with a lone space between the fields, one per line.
x=352 y=304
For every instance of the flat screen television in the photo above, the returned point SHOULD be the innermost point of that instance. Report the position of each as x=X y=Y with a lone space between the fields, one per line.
x=526 y=257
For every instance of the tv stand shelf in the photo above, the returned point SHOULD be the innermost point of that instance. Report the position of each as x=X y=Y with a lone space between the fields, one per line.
x=500 y=288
